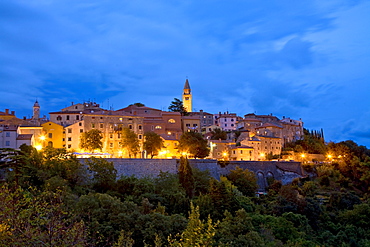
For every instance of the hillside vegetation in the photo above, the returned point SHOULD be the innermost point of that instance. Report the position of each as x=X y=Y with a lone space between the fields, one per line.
x=49 y=199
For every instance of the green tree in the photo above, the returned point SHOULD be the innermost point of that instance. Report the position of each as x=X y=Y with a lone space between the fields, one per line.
x=138 y=104
x=186 y=177
x=177 y=106
x=152 y=143
x=130 y=142
x=245 y=180
x=218 y=134
x=197 y=232
x=91 y=140
x=193 y=143
x=104 y=174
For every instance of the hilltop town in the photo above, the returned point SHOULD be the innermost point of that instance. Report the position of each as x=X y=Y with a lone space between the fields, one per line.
x=251 y=137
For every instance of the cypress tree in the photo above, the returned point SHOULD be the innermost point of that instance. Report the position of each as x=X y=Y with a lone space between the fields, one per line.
x=186 y=177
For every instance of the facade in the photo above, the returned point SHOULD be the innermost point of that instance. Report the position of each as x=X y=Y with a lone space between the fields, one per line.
x=54 y=134
x=191 y=123
x=205 y=119
x=187 y=98
x=226 y=121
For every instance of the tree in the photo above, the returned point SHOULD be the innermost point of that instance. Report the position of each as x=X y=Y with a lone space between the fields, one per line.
x=130 y=142
x=186 y=177
x=153 y=143
x=177 y=106
x=245 y=180
x=194 y=144
x=137 y=104
x=218 y=134
x=91 y=140
x=104 y=173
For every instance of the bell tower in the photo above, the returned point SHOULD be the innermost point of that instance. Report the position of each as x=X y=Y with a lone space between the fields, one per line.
x=36 y=111
x=187 y=99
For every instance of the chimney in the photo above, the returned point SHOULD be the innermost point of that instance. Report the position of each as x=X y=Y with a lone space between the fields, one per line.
x=24 y=118
x=7 y=111
x=72 y=102
x=13 y=113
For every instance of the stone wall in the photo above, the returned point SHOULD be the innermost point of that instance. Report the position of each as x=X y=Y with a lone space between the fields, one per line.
x=283 y=171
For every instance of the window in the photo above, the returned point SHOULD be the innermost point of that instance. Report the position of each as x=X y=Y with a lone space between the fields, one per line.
x=195 y=125
x=241 y=151
x=7 y=143
x=77 y=117
x=158 y=127
x=50 y=144
x=120 y=119
x=59 y=118
x=111 y=145
x=130 y=127
x=232 y=120
x=81 y=130
x=233 y=151
x=110 y=135
x=172 y=121
x=50 y=135
x=225 y=125
x=63 y=139
x=140 y=127
x=67 y=118
x=232 y=125
x=69 y=139
x=140 y=137
x=187 y=125
x=101 y=125
x=80 y=124
x=118 y=135
x=93 y=125
x=7 y=134
x=69 y=130
x=69 y=145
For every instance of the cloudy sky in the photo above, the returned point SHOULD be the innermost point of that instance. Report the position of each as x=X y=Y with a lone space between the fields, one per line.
x=304 y=59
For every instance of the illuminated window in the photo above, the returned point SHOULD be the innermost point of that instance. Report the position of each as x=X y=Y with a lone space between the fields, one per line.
x=158 y=127
x=172 y=121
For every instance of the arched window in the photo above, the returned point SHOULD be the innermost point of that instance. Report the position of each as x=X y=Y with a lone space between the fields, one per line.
x=59 y=118
x=172 y=121
x=158 y=127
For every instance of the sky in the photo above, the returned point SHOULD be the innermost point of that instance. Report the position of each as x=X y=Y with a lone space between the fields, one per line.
x=305 y=59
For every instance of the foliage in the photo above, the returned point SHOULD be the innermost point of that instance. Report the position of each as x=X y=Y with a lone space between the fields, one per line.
x=153 y=143
x=312 y=142
x=244 y=180
x=103 y=172
x=197 y=232
x=186 y=177
x=91 y=140
x=33 y=218
x=137 y=104
x=218 y=134
x=177 y=106
x=193 y=143
x=130 y=142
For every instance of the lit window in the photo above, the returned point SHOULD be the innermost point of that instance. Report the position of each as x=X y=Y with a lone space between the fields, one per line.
x=172 y=121
x=158 y=127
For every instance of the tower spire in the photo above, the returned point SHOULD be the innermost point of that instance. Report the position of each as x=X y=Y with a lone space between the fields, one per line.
x=187 y=99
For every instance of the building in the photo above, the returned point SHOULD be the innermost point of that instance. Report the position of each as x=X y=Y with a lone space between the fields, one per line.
x=205 y=120
x=54 y=134
x=226 y=121
x=187 y=98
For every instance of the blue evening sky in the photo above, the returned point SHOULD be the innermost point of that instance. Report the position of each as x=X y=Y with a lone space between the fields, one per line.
x=304 y=59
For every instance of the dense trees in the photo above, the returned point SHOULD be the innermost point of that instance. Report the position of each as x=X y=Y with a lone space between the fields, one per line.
x=58 y=202
x=194 y=144
x=91 y=140
x=152 y=143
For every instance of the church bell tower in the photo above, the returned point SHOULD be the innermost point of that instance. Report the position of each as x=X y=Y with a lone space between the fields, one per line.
x=36 y=111
x=187 y=99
